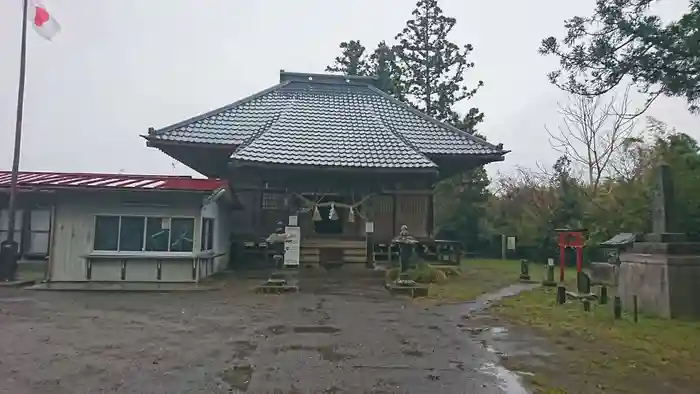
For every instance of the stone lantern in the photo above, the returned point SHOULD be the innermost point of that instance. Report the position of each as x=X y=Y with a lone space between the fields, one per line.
x=406 y=243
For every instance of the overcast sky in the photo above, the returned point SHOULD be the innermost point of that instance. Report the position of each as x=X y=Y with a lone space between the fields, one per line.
x=119 y=67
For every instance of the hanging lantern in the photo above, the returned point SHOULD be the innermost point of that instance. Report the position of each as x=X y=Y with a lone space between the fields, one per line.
x=316 y=217
x=332 y=214
x=351 y=215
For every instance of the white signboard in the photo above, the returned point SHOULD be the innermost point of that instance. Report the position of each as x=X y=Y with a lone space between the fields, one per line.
x=292 y=246
x=511 y=243
x=550 y=262
x=369 y=227
x=294 y=220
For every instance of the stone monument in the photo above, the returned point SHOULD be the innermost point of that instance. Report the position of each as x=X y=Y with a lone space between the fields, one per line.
x=664 y=271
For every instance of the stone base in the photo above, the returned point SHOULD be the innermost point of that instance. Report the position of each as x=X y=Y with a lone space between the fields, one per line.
x=275 y=288
x=407 y=287
x=605 y=274
x=16 y=283
x=665 y=238
x=549 y=283
x=412 y=291
x=666 y=283
x=572 y=295
x=280 y=282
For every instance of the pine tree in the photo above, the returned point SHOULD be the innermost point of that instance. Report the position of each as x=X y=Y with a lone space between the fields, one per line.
x=382 y=64
x=352 y=61
x=432 y=67
x=623 y=40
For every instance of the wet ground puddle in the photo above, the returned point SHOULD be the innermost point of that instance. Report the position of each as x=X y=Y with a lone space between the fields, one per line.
x=494 y=339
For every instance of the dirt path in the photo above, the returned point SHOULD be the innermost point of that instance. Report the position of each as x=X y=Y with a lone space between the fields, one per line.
x=342 y=338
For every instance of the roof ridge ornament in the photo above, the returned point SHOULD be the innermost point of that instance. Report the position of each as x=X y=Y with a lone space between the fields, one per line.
x=340 y=79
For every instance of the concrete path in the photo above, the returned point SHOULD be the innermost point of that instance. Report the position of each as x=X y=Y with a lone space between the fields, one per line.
x=333 y=337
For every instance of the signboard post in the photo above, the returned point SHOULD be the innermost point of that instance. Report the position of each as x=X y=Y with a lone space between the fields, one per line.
x=292 y=246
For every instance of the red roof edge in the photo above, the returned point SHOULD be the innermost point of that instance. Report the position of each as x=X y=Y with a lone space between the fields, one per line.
x=103 y=181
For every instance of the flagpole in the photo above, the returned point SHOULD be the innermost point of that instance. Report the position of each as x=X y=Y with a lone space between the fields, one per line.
x=10 y=248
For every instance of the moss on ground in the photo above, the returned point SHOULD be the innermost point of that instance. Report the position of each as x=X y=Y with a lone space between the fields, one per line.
x=476 y=277
x=594 y=353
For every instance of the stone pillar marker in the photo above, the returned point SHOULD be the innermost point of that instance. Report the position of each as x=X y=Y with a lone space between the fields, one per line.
x=662 y=273
x=663 y=212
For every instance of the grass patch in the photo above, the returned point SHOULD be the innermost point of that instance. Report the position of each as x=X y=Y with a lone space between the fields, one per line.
x=476 y=277
x=596 y=354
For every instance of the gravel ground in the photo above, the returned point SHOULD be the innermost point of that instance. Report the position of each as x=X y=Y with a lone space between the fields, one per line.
x=333 y=337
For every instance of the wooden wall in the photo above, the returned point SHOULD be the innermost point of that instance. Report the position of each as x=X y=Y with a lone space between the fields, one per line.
x=389 y=212
x=412 y=210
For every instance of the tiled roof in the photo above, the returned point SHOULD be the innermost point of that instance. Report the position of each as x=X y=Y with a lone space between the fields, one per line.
x=327 y=120
x=55 y=180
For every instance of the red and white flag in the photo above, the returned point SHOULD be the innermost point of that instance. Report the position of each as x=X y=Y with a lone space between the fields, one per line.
x=44 y=23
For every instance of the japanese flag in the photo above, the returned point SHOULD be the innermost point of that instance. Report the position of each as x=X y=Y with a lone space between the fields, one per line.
x=44 y=23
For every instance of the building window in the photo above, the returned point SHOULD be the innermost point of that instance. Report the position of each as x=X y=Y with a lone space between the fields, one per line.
x=4 y=225
x=157 y=234
x=181 y=235
x=39 y=232
x=270 y=201
x=139 y=233
x=207 y=234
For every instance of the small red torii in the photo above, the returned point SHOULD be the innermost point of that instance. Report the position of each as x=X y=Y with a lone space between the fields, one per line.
x=570 y=238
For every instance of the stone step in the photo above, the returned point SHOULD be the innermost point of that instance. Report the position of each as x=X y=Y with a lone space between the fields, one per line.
x=332 y=243
x=354 y=252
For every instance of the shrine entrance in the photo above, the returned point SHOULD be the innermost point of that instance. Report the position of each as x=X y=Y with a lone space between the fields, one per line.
x=327 y=226
x=330 y=220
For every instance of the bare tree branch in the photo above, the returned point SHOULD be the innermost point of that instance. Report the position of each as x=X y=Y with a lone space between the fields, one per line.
x=592 y=130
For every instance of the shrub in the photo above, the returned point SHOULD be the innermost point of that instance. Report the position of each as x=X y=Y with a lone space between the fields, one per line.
x=425 y=273
x=450 y=272
x=392 y=274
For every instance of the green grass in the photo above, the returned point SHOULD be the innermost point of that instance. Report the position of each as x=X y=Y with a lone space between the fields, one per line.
x=594 y=353
x=477 y=277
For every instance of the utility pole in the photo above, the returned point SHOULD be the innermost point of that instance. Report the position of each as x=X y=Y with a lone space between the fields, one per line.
x=9 y=249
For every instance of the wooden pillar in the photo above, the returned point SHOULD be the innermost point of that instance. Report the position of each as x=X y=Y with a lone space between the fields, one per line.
x=257 y=212
x=431 y=215
x=394 y=212
x=369 y=214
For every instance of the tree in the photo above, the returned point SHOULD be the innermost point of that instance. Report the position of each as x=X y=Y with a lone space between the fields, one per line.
x=622 y=39
x=432 y=67
x=461 y=205
x=568 y=208
x=426 y=70
x=593 y=129
x=352 y=61
x=381 y=63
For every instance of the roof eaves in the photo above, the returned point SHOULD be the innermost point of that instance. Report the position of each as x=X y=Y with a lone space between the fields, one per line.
x=400 y=136
x=155 y=133
x=268 y=126
x=437 y=122
x=153 y=141
x=262 y=164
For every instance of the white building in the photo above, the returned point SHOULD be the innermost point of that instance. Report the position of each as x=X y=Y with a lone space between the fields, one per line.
x=117 y=227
